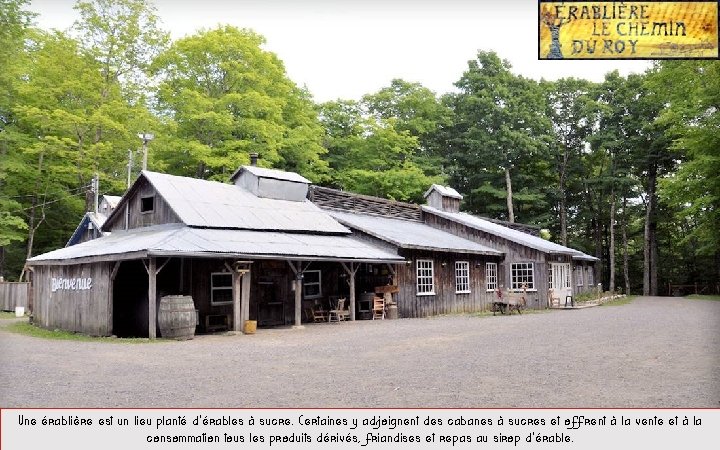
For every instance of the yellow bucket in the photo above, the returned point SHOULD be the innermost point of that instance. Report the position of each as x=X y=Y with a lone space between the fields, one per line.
x=250 y=327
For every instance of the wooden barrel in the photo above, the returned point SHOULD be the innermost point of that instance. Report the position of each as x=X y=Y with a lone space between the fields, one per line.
x=176 y=317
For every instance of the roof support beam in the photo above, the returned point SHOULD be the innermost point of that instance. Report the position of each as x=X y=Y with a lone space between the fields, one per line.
x=152 y=296
x=298 y=269
x=351 y=271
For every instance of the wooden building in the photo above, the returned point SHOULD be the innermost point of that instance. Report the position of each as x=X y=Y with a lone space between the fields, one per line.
x=527 y=259
x=90 y=226
x=253 y=250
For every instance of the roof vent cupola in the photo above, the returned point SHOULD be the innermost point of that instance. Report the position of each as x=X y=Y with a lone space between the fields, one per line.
x=271 y=183
x=443 y=198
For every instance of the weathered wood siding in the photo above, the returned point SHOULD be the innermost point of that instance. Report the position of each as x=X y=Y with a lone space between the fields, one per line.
x=445 y=300
x=514 y=253
x=13 y=295
x=74 y=306
x=161 y=213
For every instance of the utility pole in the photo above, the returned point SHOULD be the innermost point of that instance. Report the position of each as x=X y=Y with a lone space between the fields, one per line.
x=146 y=137
x=96 y=189
x=130 y=162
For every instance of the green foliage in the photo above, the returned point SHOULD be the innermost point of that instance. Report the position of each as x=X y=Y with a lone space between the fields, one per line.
x=27 y=329
x=372 y=155
x=499 y=125
x=228 y=98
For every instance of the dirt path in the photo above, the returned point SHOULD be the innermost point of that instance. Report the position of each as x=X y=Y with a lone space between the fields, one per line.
x=653 y=352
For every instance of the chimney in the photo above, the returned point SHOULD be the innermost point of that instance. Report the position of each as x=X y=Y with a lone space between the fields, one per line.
x=253 y=159
x=443 y=198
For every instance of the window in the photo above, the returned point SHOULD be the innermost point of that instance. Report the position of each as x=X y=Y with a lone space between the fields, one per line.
x=579 y=271
x=522 y=274
x=591 y=276
x=312 y=284
x=221 y=288
x=491 y=276
x=462 y=277
x=568 y=276
x=147 y=204
x=425 y=277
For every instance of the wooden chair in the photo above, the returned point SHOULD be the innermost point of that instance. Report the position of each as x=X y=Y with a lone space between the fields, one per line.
x=378 y=308
x=319 y=313
x=553 y=299
x=339 y=313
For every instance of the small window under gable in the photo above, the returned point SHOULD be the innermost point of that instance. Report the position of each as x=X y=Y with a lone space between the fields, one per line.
x=147 y=204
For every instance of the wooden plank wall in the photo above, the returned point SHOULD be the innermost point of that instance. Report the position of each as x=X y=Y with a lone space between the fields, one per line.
x=162 y=213
x=86 y=311
x=514 y=253
x=14 y=294
x=445 y=300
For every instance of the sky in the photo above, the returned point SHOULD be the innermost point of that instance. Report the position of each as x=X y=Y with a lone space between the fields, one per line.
x=349 y=48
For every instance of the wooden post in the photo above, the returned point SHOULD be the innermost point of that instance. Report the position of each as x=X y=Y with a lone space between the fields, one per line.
x=245 y=297
x=152 y=310
x=237 y=316
x=298 y=302
x=352 y=291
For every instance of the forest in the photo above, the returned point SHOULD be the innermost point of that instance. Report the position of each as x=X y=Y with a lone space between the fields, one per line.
x=625 y=169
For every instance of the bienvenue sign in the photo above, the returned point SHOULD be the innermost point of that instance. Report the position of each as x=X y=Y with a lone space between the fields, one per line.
x=71 y=284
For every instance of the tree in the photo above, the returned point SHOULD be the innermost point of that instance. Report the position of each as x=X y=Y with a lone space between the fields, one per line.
x=500 y=132
x=416 y=110
x=228 y=98
x=573 y=111
x=369 y=155
x=691 y=119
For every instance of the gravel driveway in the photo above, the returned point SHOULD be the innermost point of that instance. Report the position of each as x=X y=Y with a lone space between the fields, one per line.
x=653 y=352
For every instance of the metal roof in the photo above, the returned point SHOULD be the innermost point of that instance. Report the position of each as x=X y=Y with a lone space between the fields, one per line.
x=445 y=191
x=410 y=234
x=178 y=240
x=271 y=173
x=516 y=236
x=97 y=219
x=112 y=200
x=210 y=204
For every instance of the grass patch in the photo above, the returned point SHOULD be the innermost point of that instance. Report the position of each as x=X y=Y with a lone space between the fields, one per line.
x=620 y=301
x=7 y=315
x=27 y=329
x=703 y=297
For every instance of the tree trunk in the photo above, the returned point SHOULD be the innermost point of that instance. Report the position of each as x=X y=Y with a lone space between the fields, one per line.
x=626 y=258
x=508 y=184
x=649 y=232
x=34 y=223
x=563 y=197
x=611 y=250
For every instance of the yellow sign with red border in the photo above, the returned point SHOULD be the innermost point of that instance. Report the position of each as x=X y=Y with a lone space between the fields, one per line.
x=628 y=30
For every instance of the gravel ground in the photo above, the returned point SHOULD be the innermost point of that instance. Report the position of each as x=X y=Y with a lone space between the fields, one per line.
x=653 y=352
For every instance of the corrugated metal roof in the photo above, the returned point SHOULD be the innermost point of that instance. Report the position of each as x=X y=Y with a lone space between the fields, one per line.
x=271 y=173
x=410 y=234
x=202 y=203
x=112 y=200
x=516 y=236
x=446 y=191
x=180 y=240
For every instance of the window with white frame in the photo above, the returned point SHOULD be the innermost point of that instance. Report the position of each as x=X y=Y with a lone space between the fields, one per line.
x=568 y=276
x=491 y=276
x=522 y=274
x=591 y=276
x=425 y=277
x=221 y=288
x=580 y=272
x=462 y=277
x=312 y=283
